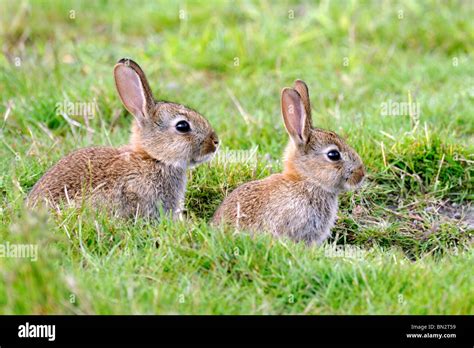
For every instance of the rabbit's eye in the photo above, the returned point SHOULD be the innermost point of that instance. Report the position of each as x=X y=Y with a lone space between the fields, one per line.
x=183 y=127
x=334 y=155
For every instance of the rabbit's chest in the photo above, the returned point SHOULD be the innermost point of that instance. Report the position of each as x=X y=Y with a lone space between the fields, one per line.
x=317 y=221
x=147 y=193
x=307 y=218
x=165 y=189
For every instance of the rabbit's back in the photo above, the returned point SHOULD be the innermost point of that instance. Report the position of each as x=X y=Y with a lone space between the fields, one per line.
x=77 y=171
x=125 y=181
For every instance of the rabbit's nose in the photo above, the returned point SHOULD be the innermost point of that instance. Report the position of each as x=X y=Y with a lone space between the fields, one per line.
x=358 y=174
x=211 y=143
x=214 y=138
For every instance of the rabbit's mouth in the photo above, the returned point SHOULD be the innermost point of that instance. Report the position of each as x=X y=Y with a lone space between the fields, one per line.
x=208 y=150
x=349 y=186
x=201 y=159
x=354 y=182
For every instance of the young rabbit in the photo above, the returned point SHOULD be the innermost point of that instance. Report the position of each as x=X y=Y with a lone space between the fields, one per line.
x=301 y=202
x=141 y=178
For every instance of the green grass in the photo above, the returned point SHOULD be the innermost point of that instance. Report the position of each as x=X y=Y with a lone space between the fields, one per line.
x=410 y=226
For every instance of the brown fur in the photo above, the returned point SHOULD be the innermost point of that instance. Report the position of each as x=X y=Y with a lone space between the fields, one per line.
x=137 y=179
x=301 y=202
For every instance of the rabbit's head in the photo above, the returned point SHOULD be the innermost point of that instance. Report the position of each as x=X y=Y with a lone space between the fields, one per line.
x=168 y=132
x=313 y=154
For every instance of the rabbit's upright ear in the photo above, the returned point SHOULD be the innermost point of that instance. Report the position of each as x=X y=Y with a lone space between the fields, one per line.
x=302 y=89
x=294 y=116
x=133 y=89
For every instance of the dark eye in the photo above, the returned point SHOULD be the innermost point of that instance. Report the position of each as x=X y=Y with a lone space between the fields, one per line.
x=183 y=127
x=334 y=155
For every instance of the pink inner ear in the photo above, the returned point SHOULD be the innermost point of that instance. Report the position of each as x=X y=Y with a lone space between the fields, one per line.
x=130 y=89
x=293 y=113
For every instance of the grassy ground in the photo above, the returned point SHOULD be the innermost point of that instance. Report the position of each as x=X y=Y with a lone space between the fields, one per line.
x=402 y=244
